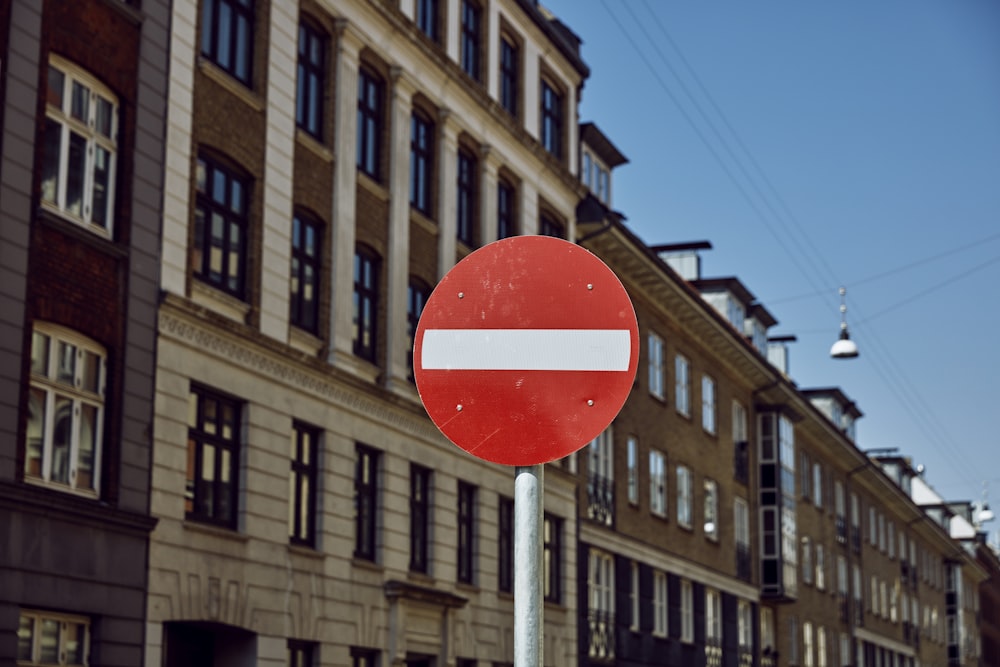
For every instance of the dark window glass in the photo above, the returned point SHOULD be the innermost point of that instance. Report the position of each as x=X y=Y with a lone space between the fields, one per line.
x=552 y=120
x=471 y=38
x=505 y=546
x=505 y=210
x=421 y=161
x=509 y=75
x=552 y=558
x=306 y=266
x=371 y=92
x=467 y=201
x=416 y=299
x=212 y=458
x=420 y=481
x=366 y=295
x=302 y=654
x=310 y=80
x=549 y=226
x=428 y=17
x=466 y=531
x=365 y=499
x=227 y=35
x=220 y=228
x=302 y=485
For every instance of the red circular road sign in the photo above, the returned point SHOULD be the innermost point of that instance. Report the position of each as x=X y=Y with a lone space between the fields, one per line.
x=526 y=350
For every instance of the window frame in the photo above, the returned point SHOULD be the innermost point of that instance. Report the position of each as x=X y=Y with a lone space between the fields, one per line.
x=37 y=619
x=242 y=12
x=660 y=604
x=687 y=611
x=306 y=262
x=682 y=385
x=302 y=653
x=509 y=62
x=198 y=438
x=506 y=209
x=370 y=122
x=657 y=378
x=366 y=296
x=471 y=39
x=310 y=79
x=49 y=382
x=420 y=517
x=709 y=418
x=422 y=131
x=632 y=466
x=304 y=466
x=684 y=497
x=57 y=173
x=549 y=225
x=552 y=118
x=235 y=215
x=467 y=192
x=505 y=545
x=552 y=556
x=366 y=495
x=711 y=510
x=417 y=294
x=658 y=504
x=465 y=525
x=713 y=616
x=427 y=16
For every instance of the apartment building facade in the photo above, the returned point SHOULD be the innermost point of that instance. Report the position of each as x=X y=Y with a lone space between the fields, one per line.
x=328 y=162
x=82 y=85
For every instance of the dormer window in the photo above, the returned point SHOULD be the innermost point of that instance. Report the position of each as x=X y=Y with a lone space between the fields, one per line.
x=596 y=176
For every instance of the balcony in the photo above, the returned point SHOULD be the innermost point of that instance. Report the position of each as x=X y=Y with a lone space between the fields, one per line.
x=601 y=500
x=601 y=634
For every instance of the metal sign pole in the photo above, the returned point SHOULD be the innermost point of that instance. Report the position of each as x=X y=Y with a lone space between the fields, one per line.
x=529 y=489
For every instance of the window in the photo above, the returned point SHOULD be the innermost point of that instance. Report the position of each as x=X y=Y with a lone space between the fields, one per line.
x=227 y=36
x=585 y=170
x=364 y=657
x=366 y=294
x=80 y=147
x=793 y=641
x=221 y=224
x=713 y=617
x=549 y=226
x=767 y=629
x=741 y=528
x=807 y=561
x=306 y=268
x=467 y=200
x=600 y=480
x=371 y=91
x=552 y=557
x=301 y=653
x=420 y=515
x=660 y=603
x=506 y=210
x=818 y=484
x=64 y=434
x=417 y=294
x=683 y=496
x=634 y=595
x=505 y=546
x=891 y=538
x=466 y=531
x=428 y=18
x=872 y=526
x=310 y=81
x=820 y=647
x=805 y=474
x=212 y=458
x=302 y=478
x=708 y=404
x=52 y=639
x=687 y=611
x=807 y=644
x=601 y=597
x=472 y=39
x=510 y=68
x=657 y=483
x=845 y=649
x=682 y=388
x=656 y=370
x=744 y=625
x=421 y=161
x=365 y=501
x=632 y=454
x=820 y=567
x=711 y=510
x=552 y=120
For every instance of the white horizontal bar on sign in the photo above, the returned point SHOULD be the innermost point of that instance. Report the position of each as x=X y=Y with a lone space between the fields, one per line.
x=526 y=349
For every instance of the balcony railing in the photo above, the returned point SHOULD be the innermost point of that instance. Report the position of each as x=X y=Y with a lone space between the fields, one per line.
x=601 y=500
x=713 y=653
x=601 y=639
x=746 y=657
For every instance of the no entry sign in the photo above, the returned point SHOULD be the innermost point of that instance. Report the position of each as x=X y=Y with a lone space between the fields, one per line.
x=526 y=350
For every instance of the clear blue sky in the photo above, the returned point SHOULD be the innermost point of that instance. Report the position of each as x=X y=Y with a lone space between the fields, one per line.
x=821 y=144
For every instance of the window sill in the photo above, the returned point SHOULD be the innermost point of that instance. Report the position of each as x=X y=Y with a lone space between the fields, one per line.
x=56 y=487
x=363 y=564
x=80 y=230
x=215 y=531
x=305 y=551
x=226 y=80
x=356 y=366
x=313 y=145
x=303 y=341
x=214 y=299
x=422 y=221
x=376 y=189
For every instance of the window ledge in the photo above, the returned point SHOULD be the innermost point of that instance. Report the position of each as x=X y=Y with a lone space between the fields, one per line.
x=80 y=230
x=226 y=80
x=368 y=183
x=303 y=341
x=215 y=531
x=313 y=145
x=422 y=221
x=307 y=552
x=356 y=366
x=363 y=564
x=214 y=299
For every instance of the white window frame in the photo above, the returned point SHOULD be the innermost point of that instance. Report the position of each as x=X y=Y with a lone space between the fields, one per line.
x=659 y=603
x=682 y=385
x=821 y=654
x=601 y=458
x=632 y=464
x=47 y=386
x=845 y=649
x=70 y=123
x=36 y=622
x=601 y=581
x=657 y=371
x=713 y=617
x=708 y=409
x=766 y=628
x=744 y=625
x=741 y=522
x=657 y=483
x=739 y=422
x=807 y=644
x=711 y=510
x=684 y=500
x=687 y=612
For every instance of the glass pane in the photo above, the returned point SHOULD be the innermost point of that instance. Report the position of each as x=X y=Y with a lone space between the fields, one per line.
x=56 y=87
x=66 y=370
x=218 y=186
x=222 y=32
x=233 y=266
x=102 y=179
x=80 y=103
x=296 y=233
x=303 y=527
x=225 y=509
x=85 y=452
x=91 y=377
x=206 y=486
x=76 y=165
x=201 y=176
x=103 y=117
x=306 y=447
x=209 y=416
x=215 y=249
x=35 y=434
x=62 y=433
x=25 y=636
x=236 y=202
x=189 y=484
x=242 y=65
x=75 y=633
x=50 y=165
x=199 y=239
x=39 y=353
x=228 y=421
x=48 y=644
x=292 y=528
